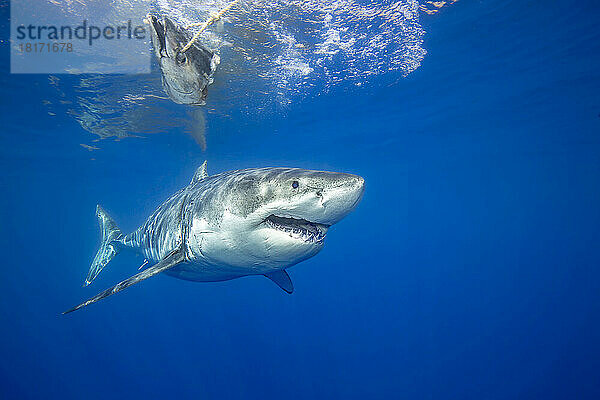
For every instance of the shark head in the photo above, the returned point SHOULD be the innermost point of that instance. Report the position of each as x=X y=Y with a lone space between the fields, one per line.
x=185 y=74
x=277 y=217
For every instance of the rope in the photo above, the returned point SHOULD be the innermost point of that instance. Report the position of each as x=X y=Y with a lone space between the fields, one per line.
x=204 y=25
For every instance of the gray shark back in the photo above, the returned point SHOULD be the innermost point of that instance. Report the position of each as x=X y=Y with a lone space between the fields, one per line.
x=161 y=233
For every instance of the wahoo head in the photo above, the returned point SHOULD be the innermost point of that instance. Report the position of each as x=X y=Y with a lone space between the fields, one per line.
x=185 y=74
x=272 y=217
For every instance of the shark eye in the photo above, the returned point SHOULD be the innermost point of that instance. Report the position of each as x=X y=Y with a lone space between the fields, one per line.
x=295 y=184
x=180 y=57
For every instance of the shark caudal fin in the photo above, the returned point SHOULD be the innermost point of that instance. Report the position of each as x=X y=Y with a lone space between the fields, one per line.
x=109 y=246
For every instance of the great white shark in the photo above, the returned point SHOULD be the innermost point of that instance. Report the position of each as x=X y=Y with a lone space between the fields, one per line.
x=257 y=221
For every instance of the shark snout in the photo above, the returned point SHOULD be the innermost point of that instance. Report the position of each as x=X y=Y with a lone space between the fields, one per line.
x=340 y=197
x=351 y=190
x=357 y=187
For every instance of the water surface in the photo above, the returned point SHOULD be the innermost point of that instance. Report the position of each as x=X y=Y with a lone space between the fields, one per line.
x=469 y=270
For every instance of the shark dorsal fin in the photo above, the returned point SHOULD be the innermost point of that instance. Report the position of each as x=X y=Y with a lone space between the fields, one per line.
x=281 y=279
x=200 y=174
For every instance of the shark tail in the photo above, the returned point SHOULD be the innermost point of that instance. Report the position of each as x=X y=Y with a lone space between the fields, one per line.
x=109 y=247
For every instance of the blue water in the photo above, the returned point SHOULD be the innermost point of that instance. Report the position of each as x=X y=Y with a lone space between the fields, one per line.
x=469 y=271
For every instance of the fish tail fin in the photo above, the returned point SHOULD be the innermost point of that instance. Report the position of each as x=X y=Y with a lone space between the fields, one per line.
x=109 y=247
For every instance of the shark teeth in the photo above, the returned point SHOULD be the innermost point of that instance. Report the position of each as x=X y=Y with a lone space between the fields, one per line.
x=298 y=228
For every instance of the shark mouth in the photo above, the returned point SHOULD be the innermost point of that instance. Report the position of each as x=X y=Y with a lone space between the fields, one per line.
x=300 y=229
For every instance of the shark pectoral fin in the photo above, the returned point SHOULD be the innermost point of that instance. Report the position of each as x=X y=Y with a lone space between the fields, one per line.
x=174 y=258
x=281 y=279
